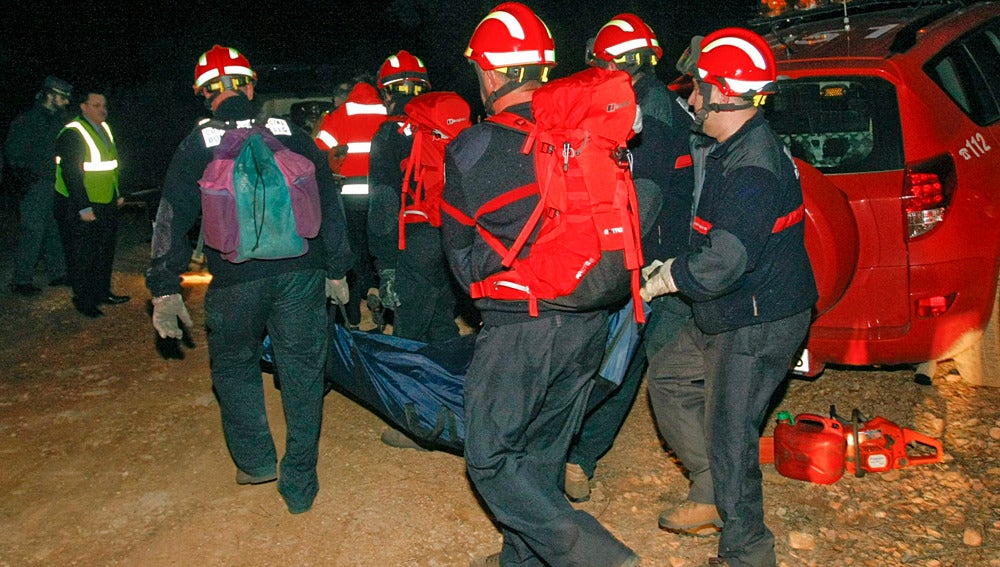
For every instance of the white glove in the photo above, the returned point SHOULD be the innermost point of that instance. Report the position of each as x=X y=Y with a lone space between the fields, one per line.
x=659 y=280
x=652 y=267
x=167 y=309
x=338 y=291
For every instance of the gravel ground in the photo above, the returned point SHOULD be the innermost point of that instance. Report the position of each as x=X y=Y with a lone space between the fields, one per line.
x=113 y=455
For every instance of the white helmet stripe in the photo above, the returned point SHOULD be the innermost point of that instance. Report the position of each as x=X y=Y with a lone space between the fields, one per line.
x=743 y=45
x=627 y=46
x=622 y=24
x=507 y=19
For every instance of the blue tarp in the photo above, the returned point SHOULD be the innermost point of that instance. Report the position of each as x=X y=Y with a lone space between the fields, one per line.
x=417 y=387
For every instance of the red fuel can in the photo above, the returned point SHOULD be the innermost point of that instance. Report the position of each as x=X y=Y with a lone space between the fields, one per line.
x=809 y=447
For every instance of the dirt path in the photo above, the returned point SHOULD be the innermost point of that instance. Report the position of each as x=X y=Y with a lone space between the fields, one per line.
x=112 y=455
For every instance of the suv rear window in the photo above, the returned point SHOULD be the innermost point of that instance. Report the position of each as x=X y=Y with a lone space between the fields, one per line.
x=839 y=124
x=969 y=71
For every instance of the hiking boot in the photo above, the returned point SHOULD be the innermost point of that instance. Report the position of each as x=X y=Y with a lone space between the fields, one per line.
x=577 y=485
x=247 y=478
x=398 y=439
x=492 y=560
x=717 y=561
x=692 y=518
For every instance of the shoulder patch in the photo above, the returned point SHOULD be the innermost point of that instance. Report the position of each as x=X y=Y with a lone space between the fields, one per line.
x=278 y=127
x=212 y=136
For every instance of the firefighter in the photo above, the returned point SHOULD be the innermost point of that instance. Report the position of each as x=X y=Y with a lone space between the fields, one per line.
x=749 y=281
x=528 y=383
x=346 y=134
x=285 y=296
x=414 y=283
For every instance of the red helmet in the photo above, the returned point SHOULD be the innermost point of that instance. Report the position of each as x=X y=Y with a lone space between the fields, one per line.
x=402 y=67
x=625 y=34
x=738 y=61
x=222 y=68
x=511 y=35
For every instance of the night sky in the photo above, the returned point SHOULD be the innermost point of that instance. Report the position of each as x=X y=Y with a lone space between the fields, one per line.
x=141 y=53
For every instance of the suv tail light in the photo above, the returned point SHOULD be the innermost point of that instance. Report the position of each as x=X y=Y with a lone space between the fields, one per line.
x=927 y=190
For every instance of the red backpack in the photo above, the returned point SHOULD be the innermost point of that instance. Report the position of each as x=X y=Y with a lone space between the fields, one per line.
x=434 y=119
x=587 y=252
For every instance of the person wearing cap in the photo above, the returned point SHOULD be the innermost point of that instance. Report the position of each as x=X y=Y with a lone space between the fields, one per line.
x=663 y=178
x=30 y=153
x=748 y=278
x=88 y=203
x=285 y=296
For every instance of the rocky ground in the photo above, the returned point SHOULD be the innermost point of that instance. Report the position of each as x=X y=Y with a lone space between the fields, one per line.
x=113 y=455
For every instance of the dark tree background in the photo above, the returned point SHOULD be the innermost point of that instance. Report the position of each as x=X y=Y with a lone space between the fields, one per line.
x=141 y=53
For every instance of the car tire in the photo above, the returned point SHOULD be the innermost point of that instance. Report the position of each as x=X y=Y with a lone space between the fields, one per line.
x=831 y=236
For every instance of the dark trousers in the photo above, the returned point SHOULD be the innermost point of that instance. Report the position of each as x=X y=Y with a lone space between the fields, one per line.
x=744 y=368
x=607 y=413
x=426 y=310
x=676 y=378
x=362 y=274
x=90 y=251
x=525 y=393
x=38 y=235
x=292 y=307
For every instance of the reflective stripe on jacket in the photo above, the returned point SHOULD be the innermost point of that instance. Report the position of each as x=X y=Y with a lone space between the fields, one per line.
x=100 y=169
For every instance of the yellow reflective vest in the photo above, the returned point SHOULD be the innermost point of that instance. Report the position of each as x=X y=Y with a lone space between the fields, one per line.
x=100 y=169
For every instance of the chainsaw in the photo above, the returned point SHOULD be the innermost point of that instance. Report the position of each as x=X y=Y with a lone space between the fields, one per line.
x=879 y=445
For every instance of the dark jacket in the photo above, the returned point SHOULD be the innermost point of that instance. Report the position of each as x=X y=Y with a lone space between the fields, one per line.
x=30 y=146
x=180 y=206
x=482 y=163
x=662 y=169
x=385 y=184
x=747 y=263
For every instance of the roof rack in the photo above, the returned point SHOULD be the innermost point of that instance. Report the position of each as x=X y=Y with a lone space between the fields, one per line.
x=790 y=15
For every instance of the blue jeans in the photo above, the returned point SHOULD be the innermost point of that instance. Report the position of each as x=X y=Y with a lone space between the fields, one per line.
x=525 y=393
x=292 y=307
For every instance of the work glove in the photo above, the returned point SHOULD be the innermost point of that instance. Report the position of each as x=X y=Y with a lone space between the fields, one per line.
x=338 y=291
x=387 y=289
x=167 y=309
x=659 y=280
x=375 y=307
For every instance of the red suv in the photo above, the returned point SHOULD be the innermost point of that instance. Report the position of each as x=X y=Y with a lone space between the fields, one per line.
x=892 y=110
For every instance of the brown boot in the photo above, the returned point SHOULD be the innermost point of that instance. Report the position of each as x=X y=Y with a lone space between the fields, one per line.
x=577 y=485
x=692 y=518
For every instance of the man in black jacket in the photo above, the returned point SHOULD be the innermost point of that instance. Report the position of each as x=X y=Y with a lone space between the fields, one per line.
x=663 y=178
x=527 y=386
x=414 y=282
x=747 y=276
x=285 y=296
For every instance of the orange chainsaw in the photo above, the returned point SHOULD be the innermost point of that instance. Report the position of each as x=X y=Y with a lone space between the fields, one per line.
x=879 y=445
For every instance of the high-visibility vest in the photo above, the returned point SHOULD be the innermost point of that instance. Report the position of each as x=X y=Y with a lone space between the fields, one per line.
x=100 y=169
x=353 y=124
